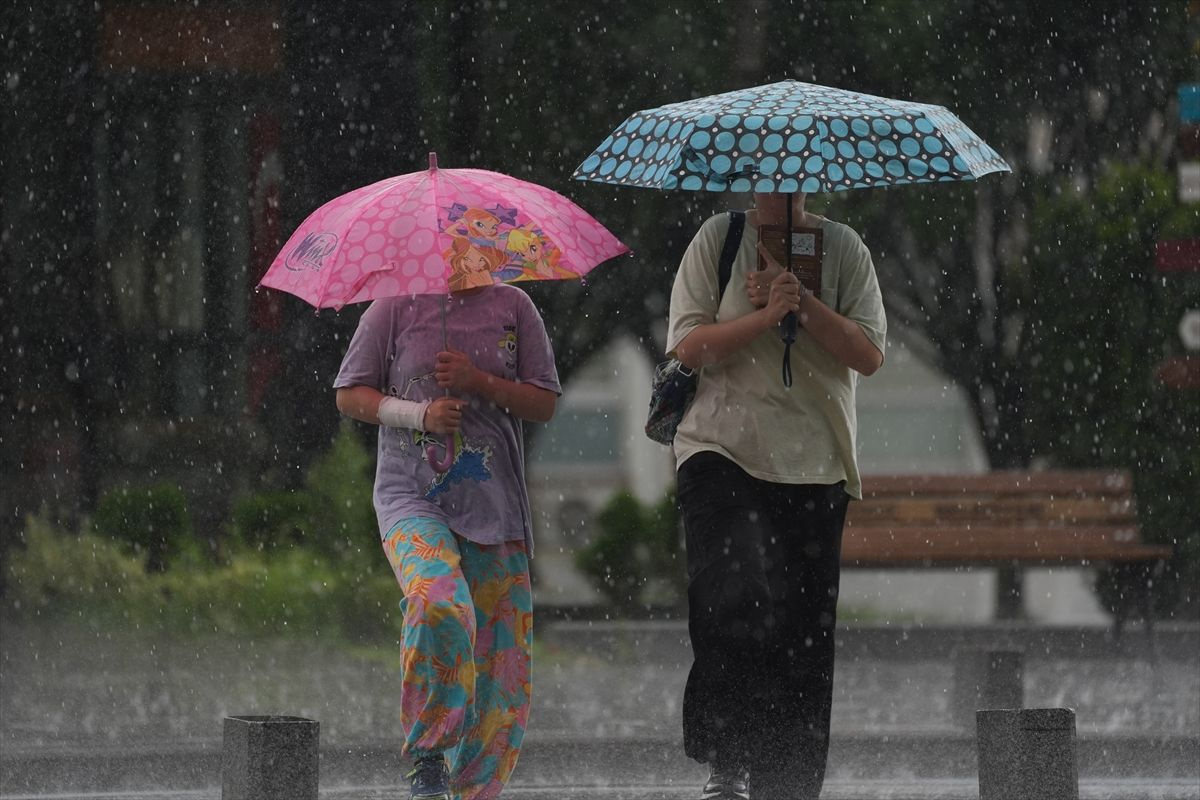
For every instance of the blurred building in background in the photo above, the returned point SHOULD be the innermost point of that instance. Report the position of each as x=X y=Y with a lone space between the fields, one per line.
x=912 y=419
x=143 y=195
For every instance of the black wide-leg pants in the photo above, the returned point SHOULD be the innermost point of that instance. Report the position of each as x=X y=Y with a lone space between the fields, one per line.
x=763 y=571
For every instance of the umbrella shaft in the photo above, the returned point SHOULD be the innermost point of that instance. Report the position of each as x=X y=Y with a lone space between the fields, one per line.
x=788 y=326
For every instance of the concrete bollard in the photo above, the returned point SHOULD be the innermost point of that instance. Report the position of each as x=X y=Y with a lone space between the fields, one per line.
x=270 y=758
x=1027 y=754
x=986 y=677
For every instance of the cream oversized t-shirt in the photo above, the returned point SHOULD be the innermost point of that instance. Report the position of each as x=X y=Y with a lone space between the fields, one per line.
x=742 y=410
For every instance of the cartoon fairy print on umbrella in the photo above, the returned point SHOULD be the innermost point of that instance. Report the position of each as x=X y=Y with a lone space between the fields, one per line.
x=437 y=231
x=489 y=246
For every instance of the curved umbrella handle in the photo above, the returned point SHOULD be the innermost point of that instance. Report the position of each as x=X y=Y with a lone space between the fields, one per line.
x=443 y=464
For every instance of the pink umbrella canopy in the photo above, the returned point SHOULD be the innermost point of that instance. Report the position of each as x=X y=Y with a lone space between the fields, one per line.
x=434 y=232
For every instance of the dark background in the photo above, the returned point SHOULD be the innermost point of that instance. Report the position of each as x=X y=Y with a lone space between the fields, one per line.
x=156 y=153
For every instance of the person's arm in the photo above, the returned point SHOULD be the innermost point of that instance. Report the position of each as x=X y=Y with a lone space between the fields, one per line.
x=360 y=403
x=363 y=403
x=841 y=337
x=716 y=341
x=524 y=400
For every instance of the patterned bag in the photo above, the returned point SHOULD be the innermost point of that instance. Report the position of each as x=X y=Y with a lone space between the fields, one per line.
x=671 y=391
x=674 y=385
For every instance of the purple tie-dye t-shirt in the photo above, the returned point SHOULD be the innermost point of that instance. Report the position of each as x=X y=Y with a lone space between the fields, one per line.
x=482 y=496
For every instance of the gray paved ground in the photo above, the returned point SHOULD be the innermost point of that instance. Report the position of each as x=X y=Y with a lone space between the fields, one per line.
x=109 y=717
x=932 y=789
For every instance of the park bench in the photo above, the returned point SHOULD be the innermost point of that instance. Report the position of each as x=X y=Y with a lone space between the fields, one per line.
x=1003 y=519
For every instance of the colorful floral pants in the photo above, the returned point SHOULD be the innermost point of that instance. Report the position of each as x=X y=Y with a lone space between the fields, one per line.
x=468 y=633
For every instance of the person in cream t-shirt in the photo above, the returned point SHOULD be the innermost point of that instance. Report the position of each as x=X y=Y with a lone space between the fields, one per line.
x=765 y=472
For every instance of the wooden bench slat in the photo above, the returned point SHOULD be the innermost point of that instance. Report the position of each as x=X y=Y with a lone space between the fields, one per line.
x=1056 y=482
x=1000 y=519
x=888 y=561
x=946 y=510
x=918 y=545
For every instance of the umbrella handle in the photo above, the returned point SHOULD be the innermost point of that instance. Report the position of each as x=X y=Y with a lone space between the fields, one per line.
x=789 y=327
x=441 y=464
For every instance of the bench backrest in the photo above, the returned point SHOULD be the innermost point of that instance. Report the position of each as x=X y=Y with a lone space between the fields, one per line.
x=999 y=517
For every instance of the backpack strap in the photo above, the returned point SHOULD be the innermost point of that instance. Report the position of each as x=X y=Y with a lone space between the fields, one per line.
x=733 y=240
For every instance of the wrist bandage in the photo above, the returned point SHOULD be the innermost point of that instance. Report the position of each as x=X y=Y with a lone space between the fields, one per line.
x=397 y=413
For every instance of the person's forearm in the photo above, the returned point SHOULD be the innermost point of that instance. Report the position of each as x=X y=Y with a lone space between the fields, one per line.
x=360 y=403
x=709 y=344
x=840 y=337
x=523 y=400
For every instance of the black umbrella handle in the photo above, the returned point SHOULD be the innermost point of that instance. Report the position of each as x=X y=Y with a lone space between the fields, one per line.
x=788 y=328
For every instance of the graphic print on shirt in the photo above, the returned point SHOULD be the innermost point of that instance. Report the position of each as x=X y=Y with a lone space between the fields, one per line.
x=508 y=343
x=470 y=460
x=471 y=463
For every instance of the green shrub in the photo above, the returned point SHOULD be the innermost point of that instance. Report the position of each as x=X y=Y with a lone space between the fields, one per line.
x=266 y=521
x=636 y=559
x=56 y=571
x=304 y=563
x=151 y=521
x=340 y=486
x=333 y=514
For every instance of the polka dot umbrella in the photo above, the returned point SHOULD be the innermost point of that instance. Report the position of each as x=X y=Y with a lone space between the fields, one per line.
x=790 y=137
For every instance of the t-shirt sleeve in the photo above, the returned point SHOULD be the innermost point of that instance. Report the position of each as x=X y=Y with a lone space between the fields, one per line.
x=366 y=359
x=695 y=296
x=535 y=355
x=858 y=289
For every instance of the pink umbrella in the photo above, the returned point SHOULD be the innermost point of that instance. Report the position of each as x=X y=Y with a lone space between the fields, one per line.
x=435 y=232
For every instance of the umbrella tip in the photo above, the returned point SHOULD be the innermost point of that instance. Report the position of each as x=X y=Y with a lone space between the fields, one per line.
x=432 y=161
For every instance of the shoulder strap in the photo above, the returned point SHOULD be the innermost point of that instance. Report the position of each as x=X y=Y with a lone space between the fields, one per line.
x=733 y=240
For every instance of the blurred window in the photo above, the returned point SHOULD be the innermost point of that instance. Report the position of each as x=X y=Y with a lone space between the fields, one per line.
x=579 y=436
x=184 y=172
x=173 y=195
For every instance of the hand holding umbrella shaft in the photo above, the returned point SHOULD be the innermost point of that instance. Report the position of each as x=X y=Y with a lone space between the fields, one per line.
x=775 y=289
x=840 y=337
x=758 y=283
x=455 y=373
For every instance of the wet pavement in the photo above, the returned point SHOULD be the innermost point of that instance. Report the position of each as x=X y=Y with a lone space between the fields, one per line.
x=113 y=716
x=929 y=789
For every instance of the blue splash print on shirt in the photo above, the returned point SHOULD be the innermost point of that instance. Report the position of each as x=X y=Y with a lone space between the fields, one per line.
x=469 y=464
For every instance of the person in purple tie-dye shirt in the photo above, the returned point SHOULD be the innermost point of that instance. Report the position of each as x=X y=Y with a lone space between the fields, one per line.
x=450 y=382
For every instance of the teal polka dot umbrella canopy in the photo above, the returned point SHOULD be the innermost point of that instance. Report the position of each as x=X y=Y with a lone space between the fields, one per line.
x=790 y=137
